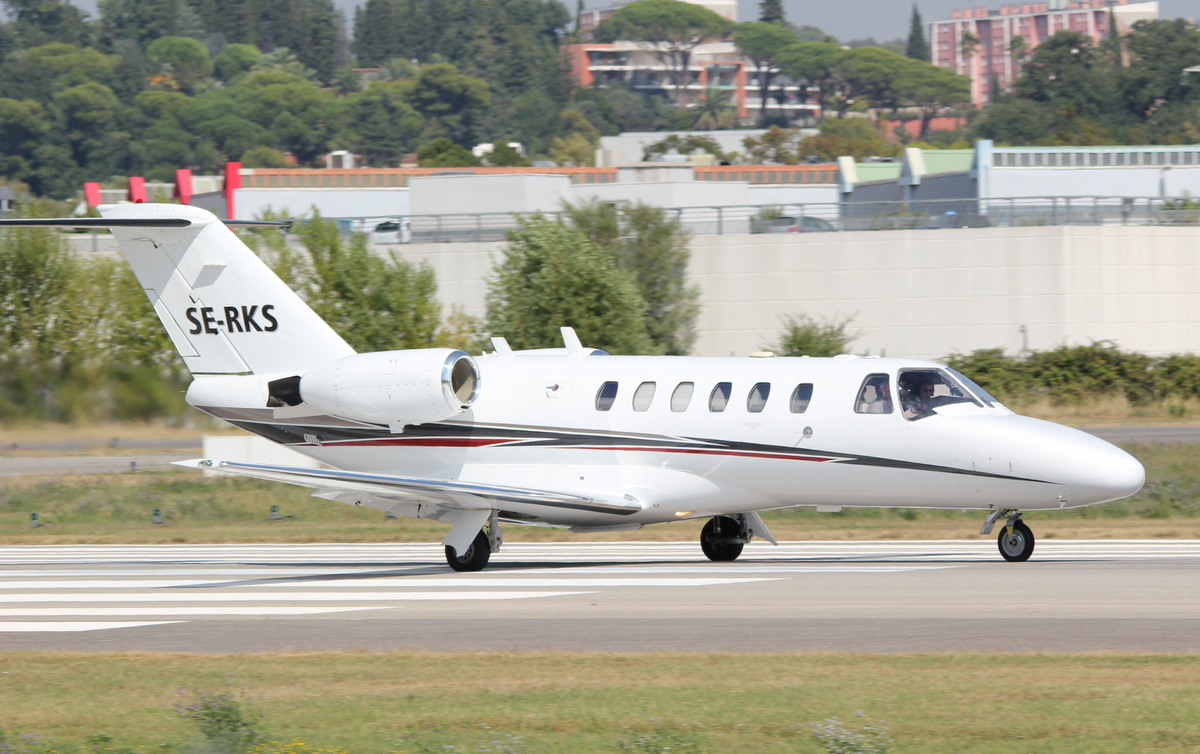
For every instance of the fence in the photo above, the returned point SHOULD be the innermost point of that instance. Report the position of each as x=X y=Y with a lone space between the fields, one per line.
x=845 y=216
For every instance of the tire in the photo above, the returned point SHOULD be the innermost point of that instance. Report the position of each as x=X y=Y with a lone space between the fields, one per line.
x=1018 y=547
x=475 y=558
x=719 y=541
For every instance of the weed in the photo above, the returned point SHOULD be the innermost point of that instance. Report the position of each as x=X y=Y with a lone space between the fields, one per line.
x=835 y=738
x=227 y=728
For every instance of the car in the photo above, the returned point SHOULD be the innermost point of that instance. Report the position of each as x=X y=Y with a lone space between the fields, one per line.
x=391 y=231
x=802 y=224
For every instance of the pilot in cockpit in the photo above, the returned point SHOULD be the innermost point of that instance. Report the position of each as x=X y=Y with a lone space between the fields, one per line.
x=916 y=398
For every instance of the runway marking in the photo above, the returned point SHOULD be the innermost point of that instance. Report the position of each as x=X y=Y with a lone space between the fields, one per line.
x=383 y=582
x=331 y=596
x=73 y=626
x=114 y=612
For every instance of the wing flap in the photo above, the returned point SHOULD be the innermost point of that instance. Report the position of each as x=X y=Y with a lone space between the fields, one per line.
x=334 y=483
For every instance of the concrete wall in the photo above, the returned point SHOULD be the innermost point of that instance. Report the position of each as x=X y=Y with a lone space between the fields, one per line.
x=477 y=194
x=929 y=293
x=1164 y=180
x=291 y=202
x=923 y=293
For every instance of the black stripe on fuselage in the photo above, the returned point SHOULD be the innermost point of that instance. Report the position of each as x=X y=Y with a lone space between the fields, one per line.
x=456 y=435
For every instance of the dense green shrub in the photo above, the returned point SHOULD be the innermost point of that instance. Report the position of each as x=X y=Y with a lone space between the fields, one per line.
x=1072 y=375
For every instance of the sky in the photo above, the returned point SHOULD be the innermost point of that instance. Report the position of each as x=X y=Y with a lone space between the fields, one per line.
x=884 y=20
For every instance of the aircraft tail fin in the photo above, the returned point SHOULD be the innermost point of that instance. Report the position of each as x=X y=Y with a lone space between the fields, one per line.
x=224 y=309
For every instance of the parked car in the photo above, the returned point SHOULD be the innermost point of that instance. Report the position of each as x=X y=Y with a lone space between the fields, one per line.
x=954 y=219
x=391 y=231
x=802 y=224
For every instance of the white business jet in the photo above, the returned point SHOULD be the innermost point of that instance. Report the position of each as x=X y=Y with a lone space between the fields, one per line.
x=573 y=437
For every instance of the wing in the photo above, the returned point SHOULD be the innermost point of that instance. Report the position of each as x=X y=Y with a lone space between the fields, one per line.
x=441 y=495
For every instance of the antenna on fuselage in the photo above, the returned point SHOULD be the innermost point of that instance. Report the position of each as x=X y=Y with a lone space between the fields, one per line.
x=571 y=341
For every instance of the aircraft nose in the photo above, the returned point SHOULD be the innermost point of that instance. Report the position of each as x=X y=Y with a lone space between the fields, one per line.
x=1103 y=472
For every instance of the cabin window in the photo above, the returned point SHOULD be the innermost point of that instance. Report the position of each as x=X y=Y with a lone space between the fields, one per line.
x=605 y=396
x=923 y=391
x=718 y=399
x=801 y=397
x=757 y=400
x=682 y=396
x=643 y=396
x=875 y=396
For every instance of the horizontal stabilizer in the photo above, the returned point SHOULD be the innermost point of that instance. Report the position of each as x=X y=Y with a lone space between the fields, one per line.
x=463 y=495
x=98 y=222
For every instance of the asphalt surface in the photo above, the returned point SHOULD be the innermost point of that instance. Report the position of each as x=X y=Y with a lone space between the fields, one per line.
x=1073 y=596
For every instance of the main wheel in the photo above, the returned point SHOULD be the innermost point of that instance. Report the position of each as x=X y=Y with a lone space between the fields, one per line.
x=720 y=539
x=1019 y=546
x=476 y=556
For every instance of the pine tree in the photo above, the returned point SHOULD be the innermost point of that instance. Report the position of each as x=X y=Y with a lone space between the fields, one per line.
x=917 y=48
x=770 y=11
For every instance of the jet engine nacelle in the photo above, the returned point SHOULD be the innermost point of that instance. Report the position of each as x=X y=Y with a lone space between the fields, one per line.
x=394 y=387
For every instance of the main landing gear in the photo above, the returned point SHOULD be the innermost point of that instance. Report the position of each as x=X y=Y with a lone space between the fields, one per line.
x=723 y=537
x=1015 y=540
x=474 y=556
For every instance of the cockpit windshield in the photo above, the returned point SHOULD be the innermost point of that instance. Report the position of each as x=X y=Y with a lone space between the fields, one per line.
x=923 y=391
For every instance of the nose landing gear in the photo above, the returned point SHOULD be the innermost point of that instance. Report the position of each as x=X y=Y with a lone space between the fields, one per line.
x=1016 y=539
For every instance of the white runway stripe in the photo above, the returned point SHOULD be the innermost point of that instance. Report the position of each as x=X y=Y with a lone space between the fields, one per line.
x=73 y=626
x=173 y=612
x=331 y=596
x=388 y=582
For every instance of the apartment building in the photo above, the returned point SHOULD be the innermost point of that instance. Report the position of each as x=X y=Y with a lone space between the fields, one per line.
x=999 y=41
x=715 y=64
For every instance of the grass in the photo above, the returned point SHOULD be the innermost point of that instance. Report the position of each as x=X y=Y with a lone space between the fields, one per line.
x=590 y=702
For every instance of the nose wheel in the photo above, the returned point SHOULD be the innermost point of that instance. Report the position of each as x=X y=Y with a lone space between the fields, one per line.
x=1015 y=542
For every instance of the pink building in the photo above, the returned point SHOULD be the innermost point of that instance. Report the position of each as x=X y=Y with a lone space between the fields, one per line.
x=997 y=58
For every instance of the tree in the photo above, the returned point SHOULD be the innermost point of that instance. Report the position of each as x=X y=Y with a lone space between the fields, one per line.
x=806 y=336
x=856 y=137
x=186 y=60
x=1066 y=70
x=551 y=276
x=771 y=12
x=684 y=144
x=376 y=304
x=671 y=29
x=917 y=48
x=451 y=102
x=761 y=43
x=653 y=246
x=713 y=111
x=39 y=22
x=820 y=65
x=443 y=153
x=380 y=126
x=931 y=89
x=235 y=61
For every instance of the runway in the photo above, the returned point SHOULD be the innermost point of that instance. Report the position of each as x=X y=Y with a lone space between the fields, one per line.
x=1073 y=596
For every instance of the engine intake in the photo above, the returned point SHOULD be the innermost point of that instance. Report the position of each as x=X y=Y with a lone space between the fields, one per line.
x=394 y=387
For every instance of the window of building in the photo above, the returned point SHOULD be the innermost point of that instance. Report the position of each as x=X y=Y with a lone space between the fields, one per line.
x=605 y=396
x=682 y=396
x=718 y=399
x=801 y=397
x=757 y=400
x=643 y=396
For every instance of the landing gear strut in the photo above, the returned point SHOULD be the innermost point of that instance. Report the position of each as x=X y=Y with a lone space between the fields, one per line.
x=1015 y=540
x=475 y=558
